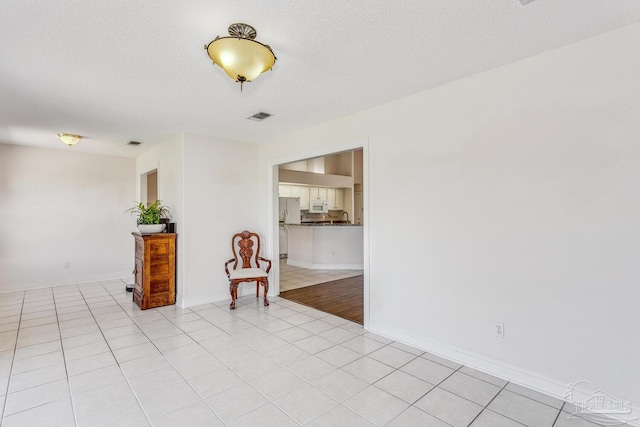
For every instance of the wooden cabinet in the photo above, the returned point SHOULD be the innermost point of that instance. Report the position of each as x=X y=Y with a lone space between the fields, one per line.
x=155 y=271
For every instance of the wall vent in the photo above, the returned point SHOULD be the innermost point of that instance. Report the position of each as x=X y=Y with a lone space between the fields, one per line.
x=258 y=117
x=134 y=143
x=525 y=2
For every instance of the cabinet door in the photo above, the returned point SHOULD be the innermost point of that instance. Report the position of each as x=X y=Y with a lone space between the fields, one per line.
x=331 y=198
x=339 y=199
x=284 y=190
x=322 y=194
x=139 y=275
x=304 y=197
x=313 y=193
x=295 y=191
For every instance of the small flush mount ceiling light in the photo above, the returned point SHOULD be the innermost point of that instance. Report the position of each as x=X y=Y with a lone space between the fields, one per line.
x=258 y=117
x=69 y=138
x=240 y=55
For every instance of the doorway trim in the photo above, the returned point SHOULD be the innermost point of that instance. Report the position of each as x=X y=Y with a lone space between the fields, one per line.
x=273 y=231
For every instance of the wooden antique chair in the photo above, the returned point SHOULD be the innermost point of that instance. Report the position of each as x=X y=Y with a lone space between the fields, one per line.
x=250 y=270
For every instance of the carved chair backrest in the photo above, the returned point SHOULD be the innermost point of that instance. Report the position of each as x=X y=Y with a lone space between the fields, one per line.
x=243 y=245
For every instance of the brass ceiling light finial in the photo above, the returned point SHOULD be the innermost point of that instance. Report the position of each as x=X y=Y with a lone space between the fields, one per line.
x=69 y=138
x=240 y=55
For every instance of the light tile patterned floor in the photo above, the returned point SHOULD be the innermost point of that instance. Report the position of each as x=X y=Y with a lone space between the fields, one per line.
x=85 y=355
x=292 y=277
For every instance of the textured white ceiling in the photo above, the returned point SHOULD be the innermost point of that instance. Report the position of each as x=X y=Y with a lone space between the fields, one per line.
x=123 y=70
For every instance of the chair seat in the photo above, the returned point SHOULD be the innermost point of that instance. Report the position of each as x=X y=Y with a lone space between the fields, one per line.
x=246 y=273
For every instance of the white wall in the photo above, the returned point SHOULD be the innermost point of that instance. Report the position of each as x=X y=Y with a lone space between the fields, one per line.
x=168 y=159
x=211 y=186
x=520 y=187
x=63 y=206
x=221 y=188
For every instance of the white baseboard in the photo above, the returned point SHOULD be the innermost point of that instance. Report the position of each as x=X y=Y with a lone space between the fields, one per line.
x=186 y=302
x=549 y=386
x=325 y=266
x=63 y=281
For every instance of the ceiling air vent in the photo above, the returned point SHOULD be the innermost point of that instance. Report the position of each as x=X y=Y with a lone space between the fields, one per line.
x=525 y=2
x=134 y=143
x=258 y=117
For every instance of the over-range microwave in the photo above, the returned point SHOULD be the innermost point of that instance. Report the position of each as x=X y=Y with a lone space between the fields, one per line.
x=318 y=206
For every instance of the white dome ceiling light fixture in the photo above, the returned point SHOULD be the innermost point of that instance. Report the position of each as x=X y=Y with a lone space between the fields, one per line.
x=240 y=55
x=69 y=138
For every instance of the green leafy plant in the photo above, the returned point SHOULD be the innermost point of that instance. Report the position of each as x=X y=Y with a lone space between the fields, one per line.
x=151 y=214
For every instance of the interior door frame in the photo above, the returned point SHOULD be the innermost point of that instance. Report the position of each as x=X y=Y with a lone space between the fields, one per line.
x=273 y=179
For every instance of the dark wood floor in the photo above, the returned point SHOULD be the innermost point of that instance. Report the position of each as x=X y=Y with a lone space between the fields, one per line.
x=344 y=297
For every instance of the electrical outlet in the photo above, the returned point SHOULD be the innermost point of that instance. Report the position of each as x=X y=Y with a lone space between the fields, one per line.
x=498 y=329
x=67 y=265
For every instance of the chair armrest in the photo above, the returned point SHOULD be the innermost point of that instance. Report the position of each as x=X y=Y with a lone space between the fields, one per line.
x=226 y=268
x=266 y=260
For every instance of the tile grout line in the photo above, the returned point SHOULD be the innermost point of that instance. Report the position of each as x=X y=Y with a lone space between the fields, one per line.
x=340 y=368
x=435 y=386
x=111 y=350
x=182 y=376
x=247 y=340
x=269 y=401
x=486 y=407
x=309 y=383
x=172 y=365
x=38 y=385
x=247 y=382
x=13 y=359
x=213 y=355
x=64 y=358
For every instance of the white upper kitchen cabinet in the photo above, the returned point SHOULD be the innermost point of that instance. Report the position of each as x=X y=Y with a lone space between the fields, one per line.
x=295 y=191
x=313 y=193
x=339 y=199
x=284 y=190
x=335 y=198
x=304 y=197
x=322 y=193
x=331 y=198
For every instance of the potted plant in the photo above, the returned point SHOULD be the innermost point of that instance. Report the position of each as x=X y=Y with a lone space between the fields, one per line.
x=150 y=218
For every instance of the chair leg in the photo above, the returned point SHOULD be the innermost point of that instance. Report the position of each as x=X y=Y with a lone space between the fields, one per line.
x=265 y=285
x=257 y=288
x=234 y=295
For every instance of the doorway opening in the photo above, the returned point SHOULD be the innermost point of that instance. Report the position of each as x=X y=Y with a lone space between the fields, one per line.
x=149 y=187
x=320 y=228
